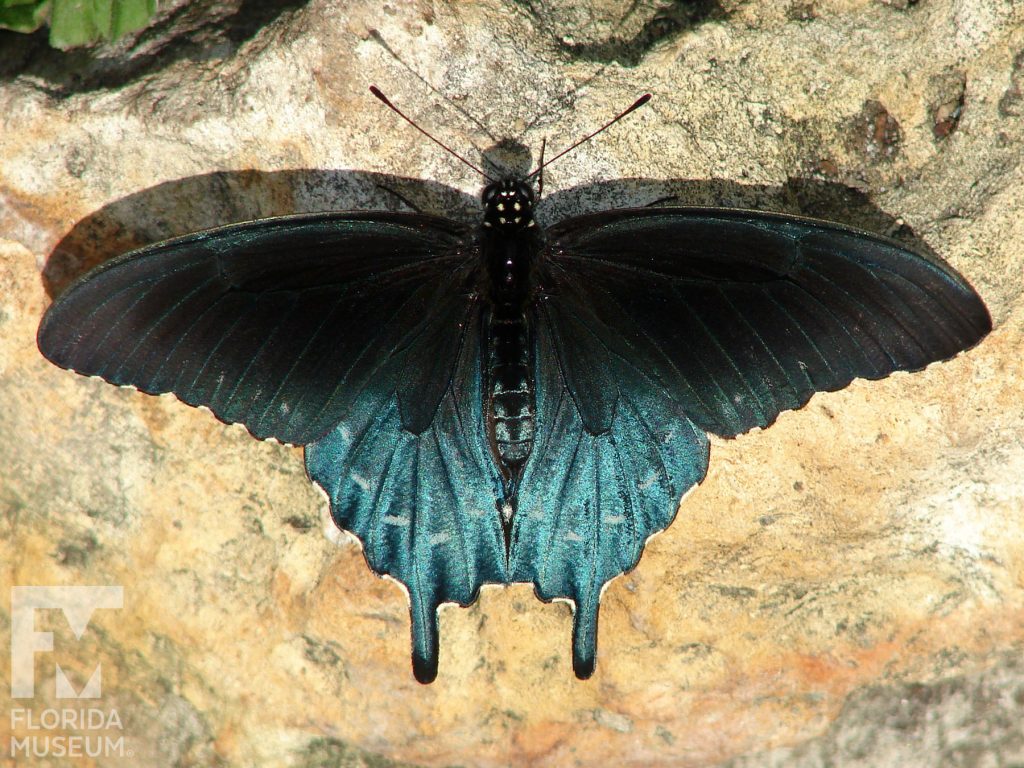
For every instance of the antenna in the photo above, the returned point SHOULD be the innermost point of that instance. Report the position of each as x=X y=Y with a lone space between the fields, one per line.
x=636 y=105
x=540 y=170
x=376 y=92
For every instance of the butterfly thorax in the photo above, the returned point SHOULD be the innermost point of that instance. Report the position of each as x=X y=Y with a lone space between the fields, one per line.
x=510 y=243
x=508 y=206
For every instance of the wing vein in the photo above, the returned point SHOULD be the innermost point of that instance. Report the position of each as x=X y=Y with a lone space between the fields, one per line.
x=840 y=324
x=213 y=353
x=769 y=389
x=366 y=350
x=671 y=363
x=374 y=528
x=728 y=358
x=560 y=496
x=629 y=508
x=458 y=513
x=262 y=345
x=99 y=306
x=299 y=359
x=810 y=340
x=853 y=300
x=181 y=337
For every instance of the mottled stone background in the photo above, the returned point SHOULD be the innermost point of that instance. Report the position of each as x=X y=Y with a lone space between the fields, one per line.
x=845 y=588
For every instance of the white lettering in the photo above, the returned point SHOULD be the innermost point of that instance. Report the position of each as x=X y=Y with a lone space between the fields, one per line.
x=68 y=746
x=50 y=719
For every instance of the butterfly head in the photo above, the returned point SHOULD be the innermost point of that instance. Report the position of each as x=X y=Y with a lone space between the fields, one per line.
x=508 y=206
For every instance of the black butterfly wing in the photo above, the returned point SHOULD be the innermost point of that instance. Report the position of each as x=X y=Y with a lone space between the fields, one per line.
x=653 y=321
x=350 y=332
x=276 y=324
x=740 y=315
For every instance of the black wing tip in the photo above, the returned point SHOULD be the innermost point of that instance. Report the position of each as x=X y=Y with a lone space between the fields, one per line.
x=45 y=335
x=424 y=640
x=975 y=324
x=583 y=666
x=584 y=641
x=424 y=668
x=983 y=319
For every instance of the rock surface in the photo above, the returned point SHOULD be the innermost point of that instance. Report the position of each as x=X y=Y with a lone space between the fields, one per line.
x=845 y=581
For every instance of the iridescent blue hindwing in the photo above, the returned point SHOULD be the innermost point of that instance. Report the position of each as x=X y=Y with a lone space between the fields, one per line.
x=589 y=499
x=423 y=505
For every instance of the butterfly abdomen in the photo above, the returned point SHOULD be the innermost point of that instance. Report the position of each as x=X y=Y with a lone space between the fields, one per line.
x=510 y=399
x=511 y=409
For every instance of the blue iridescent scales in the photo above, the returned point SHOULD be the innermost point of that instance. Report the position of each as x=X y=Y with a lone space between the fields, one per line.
x=501 y=403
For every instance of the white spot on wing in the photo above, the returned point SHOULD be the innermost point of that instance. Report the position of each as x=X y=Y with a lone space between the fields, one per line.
x=361 y=481
x=439 y=538
x=573 y=536
x=650 y=480
x=398 y=520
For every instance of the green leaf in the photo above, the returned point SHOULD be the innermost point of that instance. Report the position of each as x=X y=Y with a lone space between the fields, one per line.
x=23 y=15
x=80 y=22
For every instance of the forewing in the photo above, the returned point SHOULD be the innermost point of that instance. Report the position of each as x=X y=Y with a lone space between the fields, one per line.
x=279 y=323
x=589 y=499
x=739 y=315
x=423 y=505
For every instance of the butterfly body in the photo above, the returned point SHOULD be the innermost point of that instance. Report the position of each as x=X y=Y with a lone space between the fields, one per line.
x=510 y=245
x=502 y=404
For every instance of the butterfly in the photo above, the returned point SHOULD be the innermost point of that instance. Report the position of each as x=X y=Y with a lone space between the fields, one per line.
x=506 y=403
